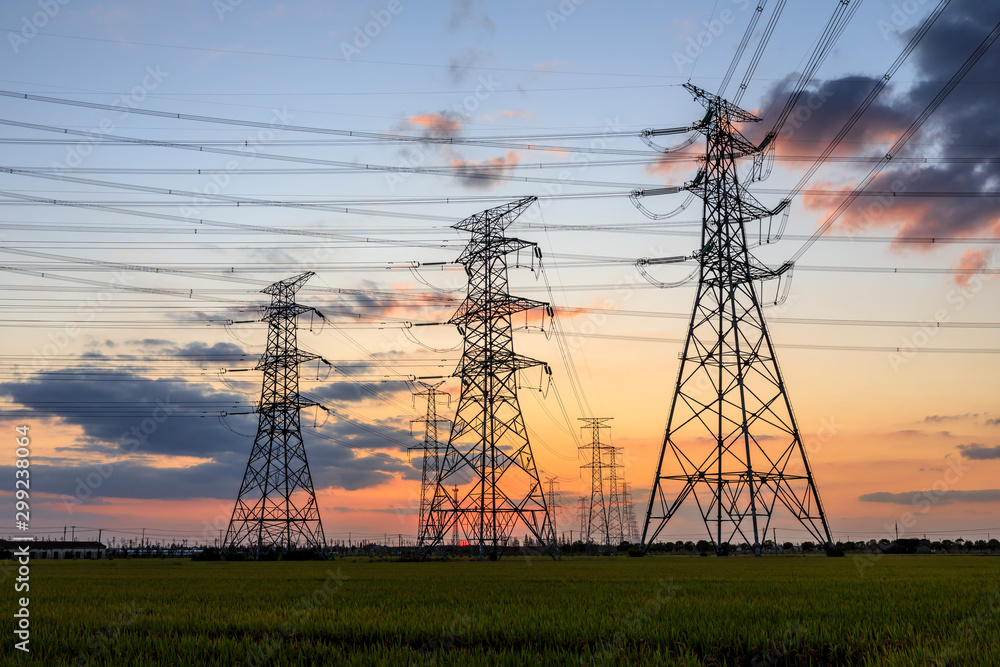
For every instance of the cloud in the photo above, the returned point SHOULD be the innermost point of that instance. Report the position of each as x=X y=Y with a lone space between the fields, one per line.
x=966 y=125
x=482 y=174
x=937 y=497
x=993 y=422
x=510 y=114
x=550 y=67
x=159 y=417
x=972 y=260
x=675 y=168
x=470 y=57
x=149 y=416
x=470 y=13
x=980 y=452
x=907 y=433
x=438 y=124
x=943 y=418
x=355 y=392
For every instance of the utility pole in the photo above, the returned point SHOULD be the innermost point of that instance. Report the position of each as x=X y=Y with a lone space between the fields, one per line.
x=430 y=449
x=488 y=455
x=731 y=441
x=276 y=507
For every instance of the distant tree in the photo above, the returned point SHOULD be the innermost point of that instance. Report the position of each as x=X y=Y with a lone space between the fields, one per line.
x=787 y=546
x=704 y=546
x=993 y=544
x=808 y=546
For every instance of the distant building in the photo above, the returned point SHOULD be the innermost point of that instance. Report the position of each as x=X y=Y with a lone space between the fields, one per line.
x=58 y=549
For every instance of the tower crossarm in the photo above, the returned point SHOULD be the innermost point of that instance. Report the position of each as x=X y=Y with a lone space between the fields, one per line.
x=293 y=358
x=503 y=306
x=494 y=220
x=713 y=102
x=497 y=361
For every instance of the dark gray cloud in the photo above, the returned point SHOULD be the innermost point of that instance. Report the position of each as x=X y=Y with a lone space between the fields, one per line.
x=993 y=422
x=935 y=497
x=945 y=418
x=980 y=452
x=354 y=392
x=965 y=125
x=124 y=412
x=470 y=13
x=161 y=417
x=460 y=65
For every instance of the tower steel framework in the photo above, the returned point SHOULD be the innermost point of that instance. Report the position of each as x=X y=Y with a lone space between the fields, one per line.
x=732 y=443
x=488 y=456
x=430 y=448
x=597 y=528
x=276 y=507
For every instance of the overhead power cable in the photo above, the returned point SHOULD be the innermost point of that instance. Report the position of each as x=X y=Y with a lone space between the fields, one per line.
x=905 y=137
x=741 y=48
x=761 y=46
x=872 y=94
x=384 y=137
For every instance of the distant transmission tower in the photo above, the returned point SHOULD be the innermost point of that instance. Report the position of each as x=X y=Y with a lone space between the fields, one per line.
x=553 y=503
x=276 y=507
x=598 y=526
x=631 y=525
x=488 y=456
x=731 y=432
x=616 y=510
x=430 y=449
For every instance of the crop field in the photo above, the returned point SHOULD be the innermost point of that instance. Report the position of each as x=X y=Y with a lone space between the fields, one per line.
x=903 y=610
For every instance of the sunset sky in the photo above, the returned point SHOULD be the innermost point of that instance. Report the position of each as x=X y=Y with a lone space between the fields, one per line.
x=888 y=343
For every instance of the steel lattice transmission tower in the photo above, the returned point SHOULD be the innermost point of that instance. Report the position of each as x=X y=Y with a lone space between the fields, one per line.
x=553 y=503
x=488 y=456
x=430 y=448
x=597 y=528
x=276 y=507
x=732 y=445
x=631 y=525
x=616 y=511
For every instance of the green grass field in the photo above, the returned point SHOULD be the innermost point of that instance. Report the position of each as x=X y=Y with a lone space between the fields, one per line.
x=904 y=610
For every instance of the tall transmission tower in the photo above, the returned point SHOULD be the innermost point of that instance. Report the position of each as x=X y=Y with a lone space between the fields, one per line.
x=276 y=507
x=430 y=448
x=488 y=456
x=553 y=503
x=631 y=525
x=731 y=433
x=616 y=510
x=598 y=527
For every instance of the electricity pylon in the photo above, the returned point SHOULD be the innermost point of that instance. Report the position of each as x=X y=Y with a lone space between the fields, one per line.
x=276 y=507
x=616 y=510
x=731 y=432
x=631 y=525
x=598 y=526
x=430 y=448
x=553 y=503
x=488 y=456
